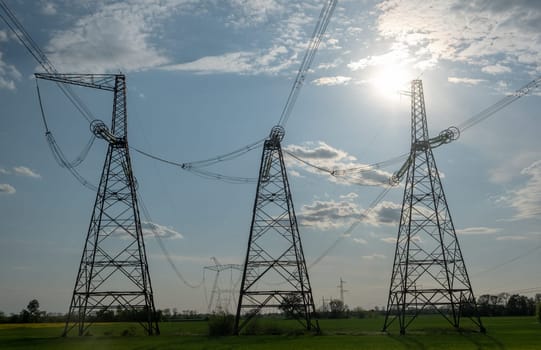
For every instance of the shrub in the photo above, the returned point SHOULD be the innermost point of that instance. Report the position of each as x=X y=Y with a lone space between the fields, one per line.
x=130 y=332
x=538 y=312
x=221 y=324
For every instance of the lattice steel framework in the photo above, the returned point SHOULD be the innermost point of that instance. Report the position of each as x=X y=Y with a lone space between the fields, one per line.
x=429 y=273
x=113 y=274
x=275 y=273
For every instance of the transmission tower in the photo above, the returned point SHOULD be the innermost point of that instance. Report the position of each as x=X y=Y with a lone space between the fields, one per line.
x=113 y=274
x=275 y=273
x=220 y=298
x=429 y=272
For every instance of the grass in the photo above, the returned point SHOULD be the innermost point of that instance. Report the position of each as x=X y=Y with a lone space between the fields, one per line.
x=427 y=332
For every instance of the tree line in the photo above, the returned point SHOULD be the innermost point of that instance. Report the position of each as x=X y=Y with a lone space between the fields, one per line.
x=489 y=305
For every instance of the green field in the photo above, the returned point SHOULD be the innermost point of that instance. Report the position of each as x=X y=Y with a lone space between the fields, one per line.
x=427 y=332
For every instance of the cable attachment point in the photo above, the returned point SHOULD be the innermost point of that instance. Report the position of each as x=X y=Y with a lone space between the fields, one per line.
x=277 y=133
x=450 y=134
x=394 y=180
x=101 y=131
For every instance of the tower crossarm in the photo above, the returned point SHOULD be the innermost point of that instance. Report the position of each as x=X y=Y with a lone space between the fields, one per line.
x=453 y=133
x=446 y=136
x=95 y=81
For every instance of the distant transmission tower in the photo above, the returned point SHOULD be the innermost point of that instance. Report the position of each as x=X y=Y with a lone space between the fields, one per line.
x=220 y=298
x=429 y=273
x=275 y=273
x=113 y=274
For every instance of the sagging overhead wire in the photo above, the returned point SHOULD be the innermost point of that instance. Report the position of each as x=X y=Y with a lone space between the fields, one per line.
x=195 y=167
x=309 y=55
x=59 y=155
x=347 y=171
x=33 y=48
x=504 y=102
x=205 y=162
x=356 y=223
x=221 y=177
x=164 y=250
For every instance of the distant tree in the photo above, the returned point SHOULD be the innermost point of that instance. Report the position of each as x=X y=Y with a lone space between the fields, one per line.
x=492 y=305
x=338 y=309
x=33 y=310
x=538 y=311
x=520 y=305
x=290 y=305
x=359 y=312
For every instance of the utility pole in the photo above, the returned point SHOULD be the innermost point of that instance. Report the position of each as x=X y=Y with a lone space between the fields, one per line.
x=342 y=290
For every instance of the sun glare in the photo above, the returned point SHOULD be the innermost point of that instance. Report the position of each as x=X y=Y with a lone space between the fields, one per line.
x=390 y=80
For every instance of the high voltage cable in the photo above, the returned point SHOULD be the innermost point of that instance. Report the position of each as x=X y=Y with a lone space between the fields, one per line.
x=33 y=48
x=507 y=262
x=222 y=177
x=309 y=55
x=352 y=226
x=487 y=112
x=205 y=162
x=164 y=250
x=345 y=171
x=59 y=155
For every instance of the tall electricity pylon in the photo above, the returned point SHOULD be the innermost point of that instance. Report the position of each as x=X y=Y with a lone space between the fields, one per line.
x=275 y=273
x=113 y=274
x=220 y=298
x=429 y=272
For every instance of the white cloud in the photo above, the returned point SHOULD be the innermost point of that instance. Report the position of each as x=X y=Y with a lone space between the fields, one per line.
x=8 y=75
x=349 y=196
x=4 y=171
x=117 y=35
x=374 y=256
x=25 y=171
x=467 y=81
x=248 y=13
x=478 y=231
x=360 y=240
x=3 y=36
x=512 y=238
x=48 y=8
x=335 y=162
x=329 y=214
x=153 y=229
x=473 y=32
x=7 y=189
x=385 y=213
x=333 y=214
x=331 y=81
x=390 y=240
x=496 y=69
x=526 y=199
x=398 y=54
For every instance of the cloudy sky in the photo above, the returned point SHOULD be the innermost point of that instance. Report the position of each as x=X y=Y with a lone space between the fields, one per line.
x=207 y=76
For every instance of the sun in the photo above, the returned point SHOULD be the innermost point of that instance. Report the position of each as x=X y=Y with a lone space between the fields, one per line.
x=391 y=79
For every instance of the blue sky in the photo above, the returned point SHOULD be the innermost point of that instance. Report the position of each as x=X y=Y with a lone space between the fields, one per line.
x=206 y=77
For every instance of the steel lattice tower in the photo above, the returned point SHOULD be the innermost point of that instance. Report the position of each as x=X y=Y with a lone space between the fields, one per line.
x=428 y=271
x=113 y=274
x=275 y=272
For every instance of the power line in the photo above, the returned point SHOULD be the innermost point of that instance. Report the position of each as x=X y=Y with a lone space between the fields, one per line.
x=59 y=155
x=205 y=162
x=164 y=250
x=345 y=171
x=504 y=102
x=347 y=233
x=309 y=55
x=507 y=262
